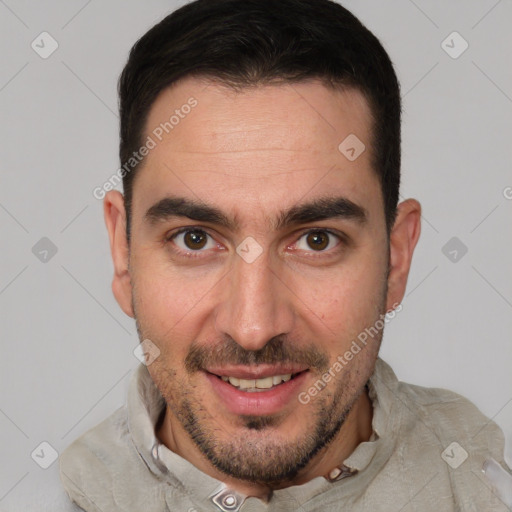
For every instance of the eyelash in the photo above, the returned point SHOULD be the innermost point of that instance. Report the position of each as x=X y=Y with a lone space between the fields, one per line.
x=189 y=254
x=197 y=254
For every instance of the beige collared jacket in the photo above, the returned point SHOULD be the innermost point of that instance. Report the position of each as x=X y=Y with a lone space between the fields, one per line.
x=426 y=454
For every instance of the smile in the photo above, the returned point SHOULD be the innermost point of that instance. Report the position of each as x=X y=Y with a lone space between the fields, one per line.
x=259 y=391
x=255 y=385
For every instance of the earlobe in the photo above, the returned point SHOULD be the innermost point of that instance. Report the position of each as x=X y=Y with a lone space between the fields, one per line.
x=115 y=220
x=403 y=239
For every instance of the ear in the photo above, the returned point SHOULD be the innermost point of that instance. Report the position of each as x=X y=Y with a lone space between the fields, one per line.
x=403 y=239
x=115 y=219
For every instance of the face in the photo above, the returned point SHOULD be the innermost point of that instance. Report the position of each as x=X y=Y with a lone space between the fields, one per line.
x=259 y=253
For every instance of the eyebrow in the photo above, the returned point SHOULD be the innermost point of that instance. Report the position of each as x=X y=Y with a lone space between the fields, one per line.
x=319 y=209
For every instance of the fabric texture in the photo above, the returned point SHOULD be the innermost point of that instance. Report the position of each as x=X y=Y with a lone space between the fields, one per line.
x=426 y=454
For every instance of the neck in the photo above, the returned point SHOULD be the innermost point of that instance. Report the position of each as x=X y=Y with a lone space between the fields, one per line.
x=356 y=429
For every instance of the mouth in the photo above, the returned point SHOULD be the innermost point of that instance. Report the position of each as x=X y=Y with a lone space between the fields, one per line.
x=261 y=391
x=258 y=385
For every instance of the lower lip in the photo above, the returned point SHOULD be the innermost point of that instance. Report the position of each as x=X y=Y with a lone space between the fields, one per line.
x=257 y=403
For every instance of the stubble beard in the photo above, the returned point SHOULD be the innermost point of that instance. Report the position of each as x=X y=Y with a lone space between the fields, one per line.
x=257 y=454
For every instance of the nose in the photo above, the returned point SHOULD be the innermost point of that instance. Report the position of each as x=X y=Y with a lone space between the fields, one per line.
x=256 y=305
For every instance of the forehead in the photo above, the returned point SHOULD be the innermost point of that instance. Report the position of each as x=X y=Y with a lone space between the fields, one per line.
x=256 y=147
x=301 y=116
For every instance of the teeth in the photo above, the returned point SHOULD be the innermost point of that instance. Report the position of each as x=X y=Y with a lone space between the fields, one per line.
x=255 y=384
x=247 y=384
x=265 y=383
x=234 y=381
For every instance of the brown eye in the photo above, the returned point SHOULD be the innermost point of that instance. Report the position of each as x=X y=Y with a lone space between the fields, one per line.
x=195 y=239
x=317 y=240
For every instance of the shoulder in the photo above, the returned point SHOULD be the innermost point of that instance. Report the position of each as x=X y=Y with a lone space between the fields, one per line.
x=447 y=415
x=90 y=467
x=452 y=417
x=106 y=440
x=441 y=432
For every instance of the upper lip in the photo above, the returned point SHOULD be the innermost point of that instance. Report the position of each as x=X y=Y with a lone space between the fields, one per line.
x=256 y=372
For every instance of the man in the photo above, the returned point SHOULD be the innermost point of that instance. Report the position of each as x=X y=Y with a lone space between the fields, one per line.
x=261 y=249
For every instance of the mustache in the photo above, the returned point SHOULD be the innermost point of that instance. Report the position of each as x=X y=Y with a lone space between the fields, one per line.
x=277 y=350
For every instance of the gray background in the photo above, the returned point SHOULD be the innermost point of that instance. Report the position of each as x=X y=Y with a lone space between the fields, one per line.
x=67 y=348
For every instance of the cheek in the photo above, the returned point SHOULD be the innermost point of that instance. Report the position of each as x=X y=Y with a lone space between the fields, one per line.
x=171 y=305
x=343 y=301
x=163 y=293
